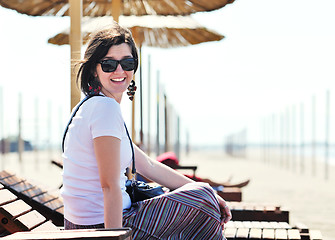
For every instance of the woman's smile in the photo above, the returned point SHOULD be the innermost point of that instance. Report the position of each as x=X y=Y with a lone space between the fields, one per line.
x=118 y=79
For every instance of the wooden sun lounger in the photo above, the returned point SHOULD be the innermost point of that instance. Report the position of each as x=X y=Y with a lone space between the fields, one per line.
x=26 y=222
x=17 y=216
x=243 y=211
x=48 y=204
x=253 y=230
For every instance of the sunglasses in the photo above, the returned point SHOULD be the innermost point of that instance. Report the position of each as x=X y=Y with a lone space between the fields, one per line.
x=110 y=65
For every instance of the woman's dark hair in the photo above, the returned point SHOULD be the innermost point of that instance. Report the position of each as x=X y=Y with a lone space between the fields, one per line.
x=97 y=48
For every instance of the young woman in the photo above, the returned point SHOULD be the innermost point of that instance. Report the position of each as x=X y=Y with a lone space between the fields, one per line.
x=97 y=152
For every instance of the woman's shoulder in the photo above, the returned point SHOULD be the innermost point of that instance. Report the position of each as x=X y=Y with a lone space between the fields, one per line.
x=102 y=102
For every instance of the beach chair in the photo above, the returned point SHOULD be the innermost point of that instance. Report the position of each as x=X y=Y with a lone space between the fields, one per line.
x=27 y=207
x=45 y=202
x=17 y=216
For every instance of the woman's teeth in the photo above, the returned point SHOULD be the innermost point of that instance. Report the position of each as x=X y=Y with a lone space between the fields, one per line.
x=118 y=79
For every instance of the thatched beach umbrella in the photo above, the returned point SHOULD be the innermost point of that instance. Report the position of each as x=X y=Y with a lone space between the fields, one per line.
x=152 y=31
x=76 y=8
x=115 y=8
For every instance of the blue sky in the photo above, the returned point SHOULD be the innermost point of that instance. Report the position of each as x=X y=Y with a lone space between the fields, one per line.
x=275 y=54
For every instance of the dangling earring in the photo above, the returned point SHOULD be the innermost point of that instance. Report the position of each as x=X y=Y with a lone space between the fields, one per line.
x=94 y=91
x=94 y=87
x=131 y=90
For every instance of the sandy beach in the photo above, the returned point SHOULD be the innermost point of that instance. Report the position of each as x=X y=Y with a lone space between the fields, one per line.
x=309 y=198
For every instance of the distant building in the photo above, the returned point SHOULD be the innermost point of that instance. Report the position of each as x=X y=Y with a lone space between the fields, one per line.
x=10 y=144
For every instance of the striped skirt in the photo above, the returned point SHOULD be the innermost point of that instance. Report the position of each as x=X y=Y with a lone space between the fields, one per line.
x=190 y=212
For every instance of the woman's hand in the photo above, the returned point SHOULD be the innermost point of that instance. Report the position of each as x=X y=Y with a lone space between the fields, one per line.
x=225 y=211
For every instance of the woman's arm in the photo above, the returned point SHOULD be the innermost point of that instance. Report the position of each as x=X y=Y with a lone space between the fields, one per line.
x=158 y=172
x=170 y=178
x=107 y=152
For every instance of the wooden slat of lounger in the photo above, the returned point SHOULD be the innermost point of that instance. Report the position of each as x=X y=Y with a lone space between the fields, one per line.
x=54 y=204
x=60 y=210
x=255 y=234
x=238 y=224
x=285 y=225
x=247 y=224
x=293 y=234
x=44 y=197
x=276 y=225
x=88 y=234
x=47 y=226
x=230 y=224
x=5 y=174
x=33 y=192
x=230 y=233
x=281 y=234
x=11 y=180
x=315 y=235
x=22 y=186
x=6 y=196
x=268 y=234
x=15 y=209
x=30 y=220
x=302 y=228
x=256 y=224
x=242 y=233
x=266 y=224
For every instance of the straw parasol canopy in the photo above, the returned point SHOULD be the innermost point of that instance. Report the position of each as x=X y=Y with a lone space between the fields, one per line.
x=95 y=8
x=152 y=31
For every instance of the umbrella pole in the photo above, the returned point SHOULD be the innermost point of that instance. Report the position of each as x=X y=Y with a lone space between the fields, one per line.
x=157 y=116
x=116 y=9
x=149 y=107
x=76 y=10
x=141 y=100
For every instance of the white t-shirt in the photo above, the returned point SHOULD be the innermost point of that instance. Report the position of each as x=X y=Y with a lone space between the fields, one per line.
x=82 y=192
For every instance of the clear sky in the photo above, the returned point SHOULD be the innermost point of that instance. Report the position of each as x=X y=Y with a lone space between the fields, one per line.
x=276 y=53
